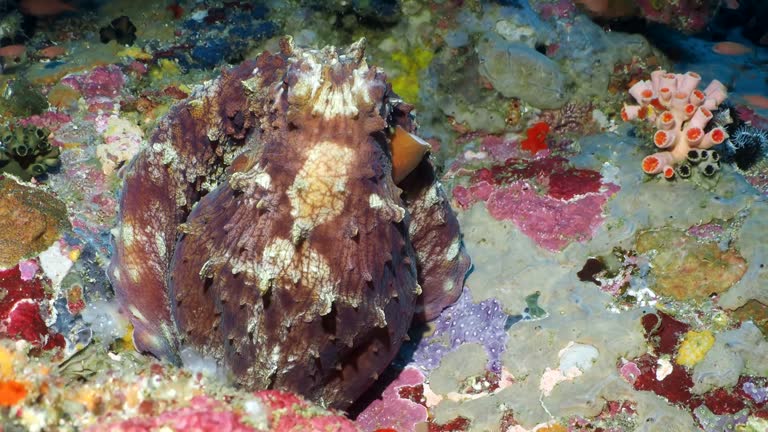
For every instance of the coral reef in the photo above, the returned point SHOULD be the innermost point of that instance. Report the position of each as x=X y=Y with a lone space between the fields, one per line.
x=25 y=307
x=266 y=410
x=96 y=389
x=26 y=152
x=535 y=205
x=681 y=112
x=300 y=267
x=380 y=12
x=717 y=391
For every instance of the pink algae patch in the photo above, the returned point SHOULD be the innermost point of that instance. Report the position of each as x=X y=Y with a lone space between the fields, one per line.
x=202 y=414
x=20 y=310
x=567 y=185
x=550 y=201
x=552 y=223
x=396 y=410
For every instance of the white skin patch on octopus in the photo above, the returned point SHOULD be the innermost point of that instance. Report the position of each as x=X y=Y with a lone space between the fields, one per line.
x=327 y=98
x=282 y=267
x=318 y=192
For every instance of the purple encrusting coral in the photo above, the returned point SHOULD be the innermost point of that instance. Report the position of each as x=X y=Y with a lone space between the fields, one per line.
x=715 y=423
x=465 y=322
x=757 y=393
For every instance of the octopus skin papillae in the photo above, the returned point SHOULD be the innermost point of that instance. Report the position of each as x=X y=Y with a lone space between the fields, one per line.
x=261 y=227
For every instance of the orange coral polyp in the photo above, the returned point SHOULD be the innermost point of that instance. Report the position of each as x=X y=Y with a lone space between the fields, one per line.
x=650 y=164
x=690 y=109
x=660 y=138
x=669 y=172
x=656 y=103
x=694 y=134
x=11 y=393
x=647 y=93
x=718 y=136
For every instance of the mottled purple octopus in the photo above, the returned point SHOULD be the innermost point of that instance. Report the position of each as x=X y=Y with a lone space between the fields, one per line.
x=262 y=227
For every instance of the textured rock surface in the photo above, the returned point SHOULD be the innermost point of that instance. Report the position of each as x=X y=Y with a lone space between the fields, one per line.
x=685 y=268
x=300 y=265
x=30 y=221
x=519 y=71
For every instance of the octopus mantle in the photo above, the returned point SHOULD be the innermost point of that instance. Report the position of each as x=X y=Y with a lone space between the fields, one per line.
x=262 y=227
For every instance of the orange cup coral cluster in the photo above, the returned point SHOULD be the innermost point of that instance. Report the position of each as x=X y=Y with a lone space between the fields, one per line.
x=681 y=113
x=285 y=221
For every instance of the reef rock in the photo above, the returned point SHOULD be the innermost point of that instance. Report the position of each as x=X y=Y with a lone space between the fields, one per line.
x=31 y=219
x=262 y=227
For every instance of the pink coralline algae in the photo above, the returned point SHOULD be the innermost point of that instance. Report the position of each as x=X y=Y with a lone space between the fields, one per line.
x=263 y=227
x=290 y=413
x=99 y=86
x=483 y=323
x=685 y=15
x=51 y=120
x=21 y=303
x=270 y=410
x=556 y=9
x=551 y=202
x=393 y=411
x=708 y=231
x=202 y=414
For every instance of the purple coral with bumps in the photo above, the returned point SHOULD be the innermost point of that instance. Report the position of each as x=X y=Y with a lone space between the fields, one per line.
x=758 y=393
x=465 y=322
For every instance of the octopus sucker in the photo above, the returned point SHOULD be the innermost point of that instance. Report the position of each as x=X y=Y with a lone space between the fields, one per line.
x=281 y=229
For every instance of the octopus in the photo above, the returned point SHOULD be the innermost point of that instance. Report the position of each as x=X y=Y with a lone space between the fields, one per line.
x=286 y=220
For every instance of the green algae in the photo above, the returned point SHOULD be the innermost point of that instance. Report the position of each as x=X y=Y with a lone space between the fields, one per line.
x=19 y=98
